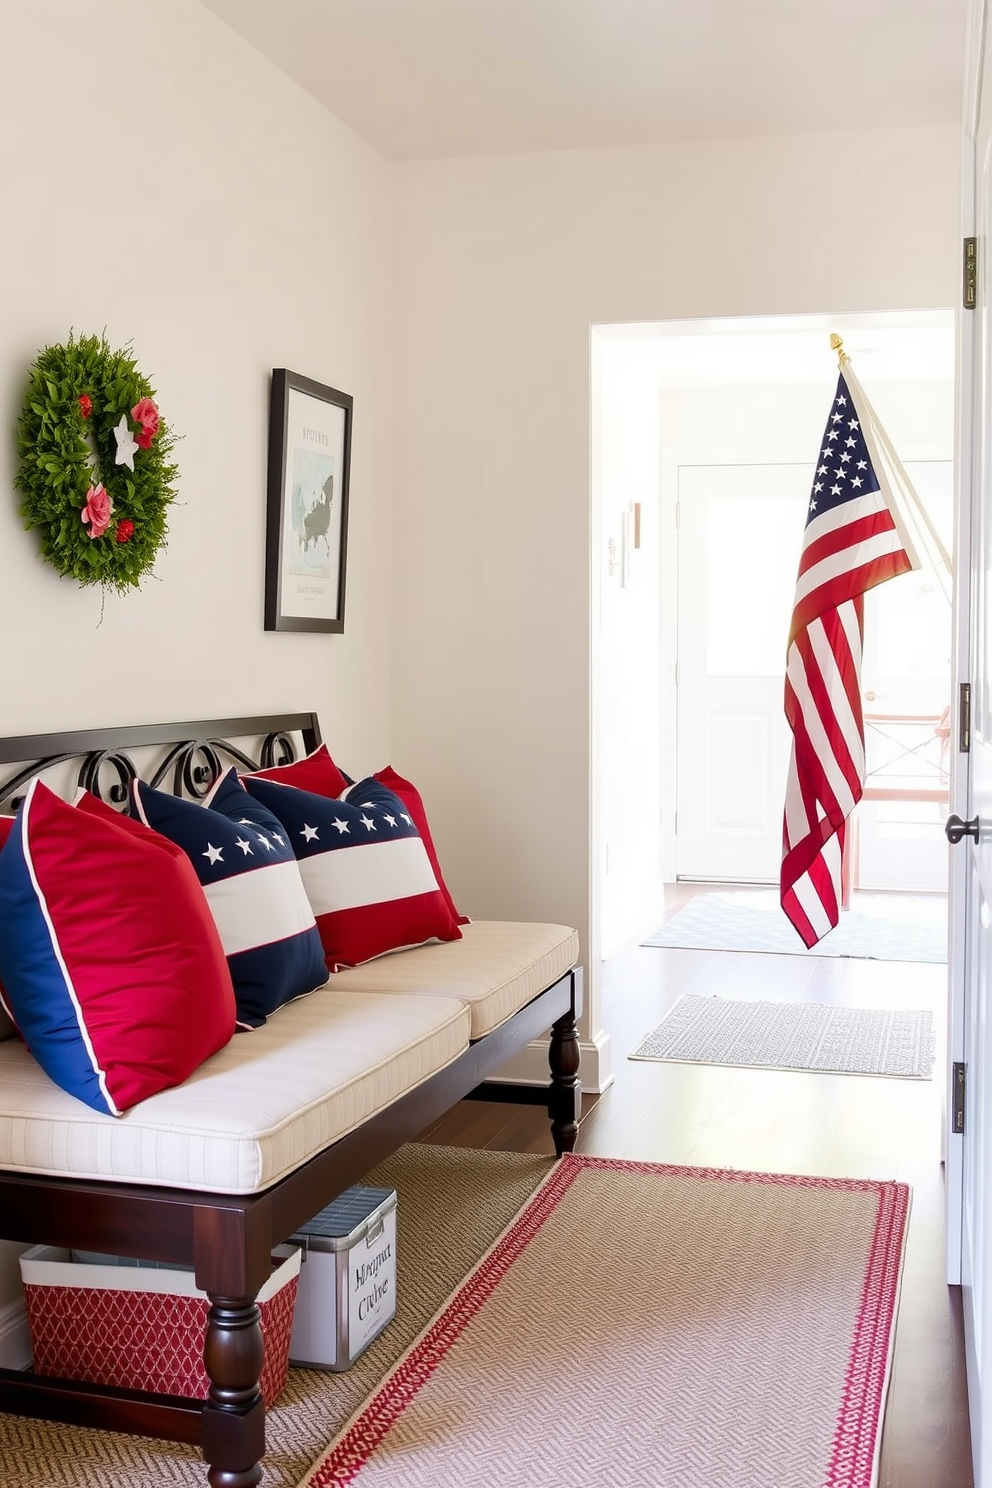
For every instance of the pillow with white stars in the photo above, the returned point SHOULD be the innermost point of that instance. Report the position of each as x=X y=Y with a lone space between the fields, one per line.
x=251 y=879
x=365 y=869
x=317 y=772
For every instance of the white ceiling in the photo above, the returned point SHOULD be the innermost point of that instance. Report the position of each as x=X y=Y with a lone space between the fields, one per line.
x=421 y=79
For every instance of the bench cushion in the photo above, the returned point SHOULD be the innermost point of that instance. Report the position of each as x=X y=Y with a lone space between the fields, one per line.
x=254 y=1112
x=496 y=967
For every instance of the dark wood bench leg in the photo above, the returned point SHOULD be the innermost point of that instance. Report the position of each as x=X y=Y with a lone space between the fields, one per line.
x=565 y=1095
x=234 y=1417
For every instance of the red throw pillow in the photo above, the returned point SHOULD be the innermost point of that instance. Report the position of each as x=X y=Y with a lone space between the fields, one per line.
x=6 y=1022
x=315 y=772
x=111 y=962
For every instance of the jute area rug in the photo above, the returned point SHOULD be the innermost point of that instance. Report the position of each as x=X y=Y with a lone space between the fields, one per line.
x=452 y=1203
x=877 y=927
x=646 y=1325
x=794 y=1036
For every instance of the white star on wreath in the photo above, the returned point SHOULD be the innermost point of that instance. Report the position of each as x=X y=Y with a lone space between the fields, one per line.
x=127 y=446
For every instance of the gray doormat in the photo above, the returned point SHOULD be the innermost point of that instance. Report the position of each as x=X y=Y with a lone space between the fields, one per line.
x=794 y=1036
x=879 y=927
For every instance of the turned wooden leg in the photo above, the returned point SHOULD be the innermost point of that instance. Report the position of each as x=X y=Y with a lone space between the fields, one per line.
x=234 y=1417
x=565 y=1095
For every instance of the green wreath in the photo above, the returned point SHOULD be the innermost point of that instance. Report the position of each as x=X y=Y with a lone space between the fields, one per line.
x=94 y=469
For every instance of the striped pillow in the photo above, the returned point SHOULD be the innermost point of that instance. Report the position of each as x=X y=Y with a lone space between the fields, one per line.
x=249 y=874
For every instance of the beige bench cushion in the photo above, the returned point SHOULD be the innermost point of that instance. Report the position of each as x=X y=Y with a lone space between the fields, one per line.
x=266 y=1103
x=497 y=967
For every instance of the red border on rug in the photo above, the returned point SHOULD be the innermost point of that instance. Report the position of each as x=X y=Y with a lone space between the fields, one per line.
x=852 y=1458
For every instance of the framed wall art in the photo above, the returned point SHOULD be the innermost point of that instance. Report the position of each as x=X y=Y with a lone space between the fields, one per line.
x=307 y=527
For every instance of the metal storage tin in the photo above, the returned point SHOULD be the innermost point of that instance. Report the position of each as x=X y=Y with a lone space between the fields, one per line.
x=347 y=1290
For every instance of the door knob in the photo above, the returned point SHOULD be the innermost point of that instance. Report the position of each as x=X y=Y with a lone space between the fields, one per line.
x=955 y=828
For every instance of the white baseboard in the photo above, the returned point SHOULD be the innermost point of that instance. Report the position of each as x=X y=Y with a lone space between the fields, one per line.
x=530 y=1066
x=15 y=1339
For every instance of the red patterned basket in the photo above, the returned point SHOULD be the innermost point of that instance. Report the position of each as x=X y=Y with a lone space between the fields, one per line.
x=142 y=1329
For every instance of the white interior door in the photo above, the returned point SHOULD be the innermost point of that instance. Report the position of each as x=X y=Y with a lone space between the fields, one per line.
x=739 y=538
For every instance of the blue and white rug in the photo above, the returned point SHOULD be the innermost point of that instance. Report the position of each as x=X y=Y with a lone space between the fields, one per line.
x=880 y=927
x=794 y=1036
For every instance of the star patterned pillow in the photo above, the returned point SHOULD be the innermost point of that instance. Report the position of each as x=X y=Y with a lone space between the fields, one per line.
x=317 y=772
x=365 y=868
x=249 y=874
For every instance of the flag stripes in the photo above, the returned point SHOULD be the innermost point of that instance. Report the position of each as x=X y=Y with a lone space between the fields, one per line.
x=851 y=561
x=822 y=698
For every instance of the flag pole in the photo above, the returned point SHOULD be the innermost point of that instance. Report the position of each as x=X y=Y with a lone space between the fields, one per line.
x=918 y=512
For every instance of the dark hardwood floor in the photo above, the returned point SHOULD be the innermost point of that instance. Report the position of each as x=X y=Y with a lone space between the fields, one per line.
x=780 y=1121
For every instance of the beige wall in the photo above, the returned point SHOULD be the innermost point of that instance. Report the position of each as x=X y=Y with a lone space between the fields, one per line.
x=501 y=267
x=162 y=181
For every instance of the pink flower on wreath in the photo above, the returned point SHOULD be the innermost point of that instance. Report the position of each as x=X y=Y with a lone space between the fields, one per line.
x=97 y=510
x=145 y=413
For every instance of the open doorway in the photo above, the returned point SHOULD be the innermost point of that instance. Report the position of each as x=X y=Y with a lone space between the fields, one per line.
x=707 y=433
x=729 y=416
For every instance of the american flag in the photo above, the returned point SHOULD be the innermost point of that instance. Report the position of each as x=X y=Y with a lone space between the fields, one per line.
x=854 y=540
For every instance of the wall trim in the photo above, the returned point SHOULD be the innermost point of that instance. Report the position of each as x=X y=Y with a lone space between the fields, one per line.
x=530 y=1066
x=15 y=1338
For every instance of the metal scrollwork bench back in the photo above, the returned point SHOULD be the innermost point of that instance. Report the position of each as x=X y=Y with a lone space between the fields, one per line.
x=195 y=754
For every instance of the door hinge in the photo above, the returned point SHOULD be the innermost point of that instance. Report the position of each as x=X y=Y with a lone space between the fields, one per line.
x=957 y=1098
x=964 y=718
x=970 y=278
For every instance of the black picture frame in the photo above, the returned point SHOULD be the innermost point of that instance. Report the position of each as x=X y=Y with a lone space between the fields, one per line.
x=306 y=541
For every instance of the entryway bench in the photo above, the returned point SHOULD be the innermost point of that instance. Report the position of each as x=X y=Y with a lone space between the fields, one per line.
x=216 y=1172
